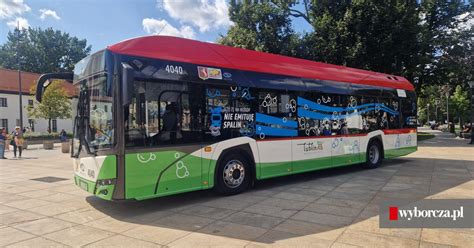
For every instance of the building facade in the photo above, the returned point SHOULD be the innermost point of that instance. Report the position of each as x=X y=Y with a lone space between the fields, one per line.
x=10 y=103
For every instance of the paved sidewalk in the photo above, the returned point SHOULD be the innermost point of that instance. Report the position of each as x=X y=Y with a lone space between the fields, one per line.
x=331 y=208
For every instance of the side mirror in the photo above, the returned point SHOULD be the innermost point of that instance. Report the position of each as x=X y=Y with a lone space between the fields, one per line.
x=127 y=83
x=44 y=82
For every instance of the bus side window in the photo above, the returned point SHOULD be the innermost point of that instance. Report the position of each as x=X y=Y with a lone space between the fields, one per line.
x=216 y=104
x=352 y=123
x=389 y=113
x=408 y=111
x=370 y=115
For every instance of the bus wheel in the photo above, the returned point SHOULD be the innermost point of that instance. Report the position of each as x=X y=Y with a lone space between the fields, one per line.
x=374 y=154
x=233 y=175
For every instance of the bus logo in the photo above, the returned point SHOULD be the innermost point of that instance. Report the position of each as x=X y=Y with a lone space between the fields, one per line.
x=208 y=72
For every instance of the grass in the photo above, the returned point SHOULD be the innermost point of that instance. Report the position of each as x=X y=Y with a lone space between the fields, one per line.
x=424 y=136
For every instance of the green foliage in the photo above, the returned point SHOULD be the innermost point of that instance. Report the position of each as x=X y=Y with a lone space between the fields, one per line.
x=55 y=104
x=460 y=103
x=261 y=27
x=42 y=51
x=44 y=135
x=423 y=136
x=426 y=41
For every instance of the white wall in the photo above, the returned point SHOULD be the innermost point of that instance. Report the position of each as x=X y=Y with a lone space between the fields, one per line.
x=12 y=113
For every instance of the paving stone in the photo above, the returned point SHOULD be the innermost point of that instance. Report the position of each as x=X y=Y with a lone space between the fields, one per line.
x=208 y=212
x=348 y=203
x=19 y=217
x=307 y=191
x=424 y=244
x=10 y=235
x=374 y=240
x=372 y=225
x=111 y=225
x=270 y=210
x=325 y=219
x=460 y=239
x=81 y=216
x=197 y=240
x=38 y=242
x=156 y=234
x=342 y=245
x=227 y=204
x=28 y=203
x=78 y=235
x=184 y=222
x=306 y=228
x=283 y=239
x=6 y=209
x=296 y=197
x=122 y=241
x=233 y=230
x=43 y=226
x=284 y=204
x=332 y=209
x=256 y=220
x=53 y=209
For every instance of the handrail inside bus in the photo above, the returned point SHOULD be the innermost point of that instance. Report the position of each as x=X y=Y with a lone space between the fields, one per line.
x=43 y=82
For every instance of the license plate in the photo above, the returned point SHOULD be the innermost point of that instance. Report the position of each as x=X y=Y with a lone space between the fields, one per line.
x=83 y=185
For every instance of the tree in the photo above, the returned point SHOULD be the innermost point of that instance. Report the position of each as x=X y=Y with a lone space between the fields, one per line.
x=446 y=41
x=42 y=51
x=428 y=42
x=460 y=103
x=55 y=104
x=265 y=28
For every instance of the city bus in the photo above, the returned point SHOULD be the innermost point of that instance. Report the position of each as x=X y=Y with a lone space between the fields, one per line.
x=157 y=116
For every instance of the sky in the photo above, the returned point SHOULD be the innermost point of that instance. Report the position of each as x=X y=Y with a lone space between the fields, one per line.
x=107 y=22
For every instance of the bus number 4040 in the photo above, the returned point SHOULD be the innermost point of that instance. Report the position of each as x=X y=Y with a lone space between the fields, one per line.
x=174 y=69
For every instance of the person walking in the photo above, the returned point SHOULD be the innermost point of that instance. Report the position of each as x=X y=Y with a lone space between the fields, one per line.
x=17 y=142
x=3 y=142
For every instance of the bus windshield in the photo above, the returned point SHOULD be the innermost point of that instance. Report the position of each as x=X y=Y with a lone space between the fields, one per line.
x=93 y=117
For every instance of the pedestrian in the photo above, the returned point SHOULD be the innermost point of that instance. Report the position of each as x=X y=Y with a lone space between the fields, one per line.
x=63 y=136
x=3 y=142
x=18 y=142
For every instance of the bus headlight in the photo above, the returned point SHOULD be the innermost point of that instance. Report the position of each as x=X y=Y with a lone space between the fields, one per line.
x=104 y=182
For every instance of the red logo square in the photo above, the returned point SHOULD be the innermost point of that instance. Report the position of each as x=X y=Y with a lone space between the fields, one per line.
x=393 y=211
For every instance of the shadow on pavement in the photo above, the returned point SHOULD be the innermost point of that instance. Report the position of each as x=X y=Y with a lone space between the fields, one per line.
x=293 y=206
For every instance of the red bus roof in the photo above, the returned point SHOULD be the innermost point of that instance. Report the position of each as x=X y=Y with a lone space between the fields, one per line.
x=209 y=54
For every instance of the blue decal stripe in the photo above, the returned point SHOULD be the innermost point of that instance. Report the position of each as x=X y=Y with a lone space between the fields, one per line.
x=273 y=131
x=320 y=116
x=312 y=115
x=267 y=119
x=313 y=105
x=367 y=107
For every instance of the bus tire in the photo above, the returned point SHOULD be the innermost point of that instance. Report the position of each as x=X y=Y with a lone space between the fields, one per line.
x=374 y=155
x=233 y=174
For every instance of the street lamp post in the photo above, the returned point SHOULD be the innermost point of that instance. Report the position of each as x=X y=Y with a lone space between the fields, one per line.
x=428 y=113
x=436 y=109
x=471 y=86
x=446 y=88
x=20 y=92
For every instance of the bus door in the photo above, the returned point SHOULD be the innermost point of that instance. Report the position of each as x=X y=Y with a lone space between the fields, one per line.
x=346 y=127
x=275 y=129
x=164 y=123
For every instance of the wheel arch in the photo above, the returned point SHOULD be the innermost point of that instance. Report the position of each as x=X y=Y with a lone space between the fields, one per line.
x=244 y=150
x=378 y=139
x=247 y=146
